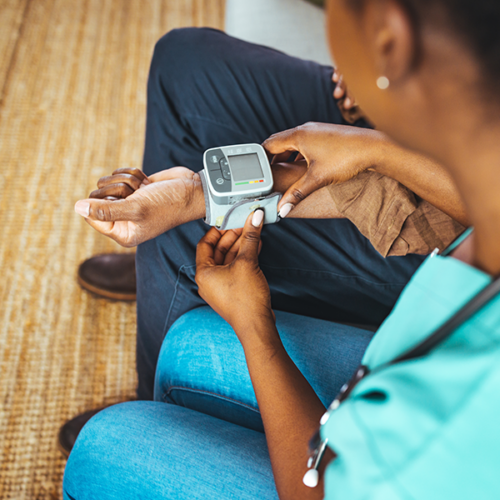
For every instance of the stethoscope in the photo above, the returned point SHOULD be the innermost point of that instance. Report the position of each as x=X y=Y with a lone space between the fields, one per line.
x=317 y=445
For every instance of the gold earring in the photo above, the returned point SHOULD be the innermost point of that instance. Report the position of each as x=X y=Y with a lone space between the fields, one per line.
x=383 y=82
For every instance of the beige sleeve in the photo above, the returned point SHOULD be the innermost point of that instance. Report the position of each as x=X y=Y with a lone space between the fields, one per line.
x=393 y=218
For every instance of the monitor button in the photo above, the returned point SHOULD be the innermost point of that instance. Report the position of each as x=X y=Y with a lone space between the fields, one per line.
x=226 y=173
x=220 y=181
x=214 y=159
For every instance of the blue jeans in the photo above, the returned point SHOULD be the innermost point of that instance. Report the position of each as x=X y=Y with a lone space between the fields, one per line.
x=207 y=89
x=207 y=444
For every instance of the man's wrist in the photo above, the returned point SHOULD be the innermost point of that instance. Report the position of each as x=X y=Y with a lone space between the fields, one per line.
x=197 y=203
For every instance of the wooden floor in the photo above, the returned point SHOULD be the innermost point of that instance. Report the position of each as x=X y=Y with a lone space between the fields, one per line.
x=72 y=108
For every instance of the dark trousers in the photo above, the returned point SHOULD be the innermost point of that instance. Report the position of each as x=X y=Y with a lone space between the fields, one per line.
x=207 y=89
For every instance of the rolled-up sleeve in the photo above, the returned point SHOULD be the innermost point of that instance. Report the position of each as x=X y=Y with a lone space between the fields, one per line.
x=393 y=218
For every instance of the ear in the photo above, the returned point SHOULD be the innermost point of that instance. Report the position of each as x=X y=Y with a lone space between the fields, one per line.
x=394 y=38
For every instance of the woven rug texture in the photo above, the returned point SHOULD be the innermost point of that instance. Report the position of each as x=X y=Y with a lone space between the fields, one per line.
x=72 y=109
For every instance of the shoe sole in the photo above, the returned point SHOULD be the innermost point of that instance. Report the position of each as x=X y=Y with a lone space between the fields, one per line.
x=107 y=294
x=63 y=450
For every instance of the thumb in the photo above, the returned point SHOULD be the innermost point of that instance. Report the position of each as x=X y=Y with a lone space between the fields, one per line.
x=298 y=191
x=107 y=210
x=250 y=237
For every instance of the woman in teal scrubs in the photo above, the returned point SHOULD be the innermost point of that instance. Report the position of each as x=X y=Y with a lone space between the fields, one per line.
x=427 y=72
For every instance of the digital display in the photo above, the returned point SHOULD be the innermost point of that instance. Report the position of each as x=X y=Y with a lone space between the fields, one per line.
x=245 y=167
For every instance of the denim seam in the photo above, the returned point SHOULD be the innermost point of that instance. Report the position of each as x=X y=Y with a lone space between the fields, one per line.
x=174 y=297
x=329 y=273
x=200 y=391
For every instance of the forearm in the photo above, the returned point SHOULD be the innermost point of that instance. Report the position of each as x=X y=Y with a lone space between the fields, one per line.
x=425 y=177
x=289 y=407
x=318 y=205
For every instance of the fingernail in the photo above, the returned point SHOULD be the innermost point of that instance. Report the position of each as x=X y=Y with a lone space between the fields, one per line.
x=146 y=182
x=258 y=217
x=347 y=101
x=82 y=208
x=285 y=210
x=143 y=185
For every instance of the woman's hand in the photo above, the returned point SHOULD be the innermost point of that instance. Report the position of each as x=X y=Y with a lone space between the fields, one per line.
x=131 y=208
x=334 y=154
x=229 y=277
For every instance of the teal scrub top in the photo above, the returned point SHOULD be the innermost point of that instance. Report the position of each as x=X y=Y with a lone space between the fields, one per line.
x=427 y=428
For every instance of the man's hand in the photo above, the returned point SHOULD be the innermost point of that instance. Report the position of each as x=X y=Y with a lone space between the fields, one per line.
x=229 y=277
x=334 y=154
x=345 y=100
x=131 y=208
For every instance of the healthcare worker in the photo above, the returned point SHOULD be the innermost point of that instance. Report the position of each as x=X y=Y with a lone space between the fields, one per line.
x=420 y=426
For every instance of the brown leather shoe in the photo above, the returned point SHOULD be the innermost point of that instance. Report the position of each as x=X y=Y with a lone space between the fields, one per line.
x=70 y=430
x=110 y=275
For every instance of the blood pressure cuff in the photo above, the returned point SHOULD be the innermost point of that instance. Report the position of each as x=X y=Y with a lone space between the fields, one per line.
x=234 y=216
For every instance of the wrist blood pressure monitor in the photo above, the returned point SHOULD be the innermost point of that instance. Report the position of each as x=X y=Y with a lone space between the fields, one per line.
x=236 y=181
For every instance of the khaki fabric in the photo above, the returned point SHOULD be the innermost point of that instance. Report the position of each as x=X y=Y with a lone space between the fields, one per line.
x=393 y=218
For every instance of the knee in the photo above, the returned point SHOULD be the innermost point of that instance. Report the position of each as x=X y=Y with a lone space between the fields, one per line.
x=98 y=448
x=183 y=50
x=198 y=349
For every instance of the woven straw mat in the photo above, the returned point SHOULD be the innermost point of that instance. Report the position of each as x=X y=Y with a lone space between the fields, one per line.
x=72 y=109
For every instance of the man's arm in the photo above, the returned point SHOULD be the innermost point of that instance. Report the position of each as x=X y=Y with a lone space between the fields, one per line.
x=131 y=209
x=148 y=207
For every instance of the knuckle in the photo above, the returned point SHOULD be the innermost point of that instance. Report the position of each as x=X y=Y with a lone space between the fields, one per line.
x=252 y=236
x=306 y=127
x=140 y=210
x=102 y=213
x=298 y=194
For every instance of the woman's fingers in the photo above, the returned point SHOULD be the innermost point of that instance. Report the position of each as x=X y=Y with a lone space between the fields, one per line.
x=281 y=143
x=298 y=191
x=120 y=190
x=225 y=244
x=205 y=251
x=233 y=251
x=250 y=237
x=281 y=158
x=133 y=171
x=130 y=180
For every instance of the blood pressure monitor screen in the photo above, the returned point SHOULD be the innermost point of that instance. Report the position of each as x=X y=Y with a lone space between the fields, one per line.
x=245 y=167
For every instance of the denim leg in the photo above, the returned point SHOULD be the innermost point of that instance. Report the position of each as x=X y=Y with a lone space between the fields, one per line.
x=207 y=89
x=202 y=365
x=146 y=450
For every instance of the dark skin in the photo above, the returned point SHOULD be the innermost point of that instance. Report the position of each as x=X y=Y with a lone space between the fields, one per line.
x=377 y=40
x=136 y=208
x=385 y=38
